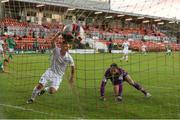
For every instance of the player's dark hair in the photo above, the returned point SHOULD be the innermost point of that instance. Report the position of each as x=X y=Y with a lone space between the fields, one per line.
x=114 y=65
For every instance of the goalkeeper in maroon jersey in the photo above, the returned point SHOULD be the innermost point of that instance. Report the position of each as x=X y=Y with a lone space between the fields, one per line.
x=117 y=75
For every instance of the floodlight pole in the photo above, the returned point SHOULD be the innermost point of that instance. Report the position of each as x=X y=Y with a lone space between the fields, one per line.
x=109 y=2
x=1 y=10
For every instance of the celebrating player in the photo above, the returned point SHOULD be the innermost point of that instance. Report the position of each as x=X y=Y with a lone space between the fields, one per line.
x=117 y=75
x=60 y=59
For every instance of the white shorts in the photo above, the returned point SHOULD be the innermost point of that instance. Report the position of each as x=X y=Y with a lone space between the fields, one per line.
x=11 y=49
x=168 y=51
x=125 y=52
x=50 y=79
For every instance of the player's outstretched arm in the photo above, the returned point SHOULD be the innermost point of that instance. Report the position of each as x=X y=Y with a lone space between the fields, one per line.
x=102 y=90
x=53 y=40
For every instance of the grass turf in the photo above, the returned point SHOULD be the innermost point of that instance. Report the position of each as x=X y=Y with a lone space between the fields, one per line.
x=158 y=73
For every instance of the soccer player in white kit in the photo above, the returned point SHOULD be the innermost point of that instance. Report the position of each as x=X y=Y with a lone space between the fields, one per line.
x=3 y=60
x=1 y=55
x=125 y=51
x=143 y=49
x=168 y=50
x=1 y=48
x=60 y=59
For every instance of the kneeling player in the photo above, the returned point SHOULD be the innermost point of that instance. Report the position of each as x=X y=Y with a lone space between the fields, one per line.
x=117 y=75
x=60 y=59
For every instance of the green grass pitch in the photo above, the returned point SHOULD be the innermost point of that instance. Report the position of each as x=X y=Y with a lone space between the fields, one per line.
x=158 y=73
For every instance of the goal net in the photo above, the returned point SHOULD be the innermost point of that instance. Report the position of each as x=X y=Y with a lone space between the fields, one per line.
x=141 y=37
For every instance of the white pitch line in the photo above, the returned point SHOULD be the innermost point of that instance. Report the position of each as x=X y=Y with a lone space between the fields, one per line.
x=21 y=108
x=32 y=110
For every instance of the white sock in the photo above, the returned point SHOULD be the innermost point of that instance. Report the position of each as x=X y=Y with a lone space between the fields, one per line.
x=126 y=58
x=34 y=93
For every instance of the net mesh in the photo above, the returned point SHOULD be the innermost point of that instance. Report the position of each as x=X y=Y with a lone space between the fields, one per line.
x=32 y=24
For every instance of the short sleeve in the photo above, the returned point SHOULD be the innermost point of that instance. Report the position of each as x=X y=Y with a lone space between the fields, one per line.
x=123 y=72
x=106 y=74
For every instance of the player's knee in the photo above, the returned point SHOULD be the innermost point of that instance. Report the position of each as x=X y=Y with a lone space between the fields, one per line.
x=52 y=90
x=130 y=82
x=40 y=86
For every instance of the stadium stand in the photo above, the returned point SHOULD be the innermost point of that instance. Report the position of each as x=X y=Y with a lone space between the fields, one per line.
x=25 y=34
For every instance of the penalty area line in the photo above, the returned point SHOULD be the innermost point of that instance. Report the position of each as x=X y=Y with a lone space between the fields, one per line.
x=32 y=110
x=21 y=108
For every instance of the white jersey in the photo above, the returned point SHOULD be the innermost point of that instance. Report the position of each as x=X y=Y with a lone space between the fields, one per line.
x=1 y=45
x=59 y=63
x=125 y=45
